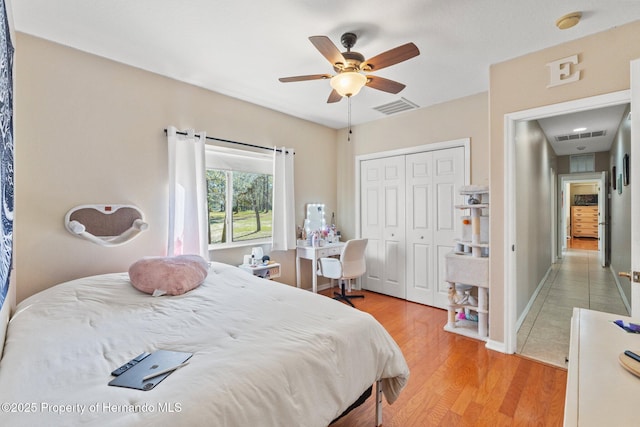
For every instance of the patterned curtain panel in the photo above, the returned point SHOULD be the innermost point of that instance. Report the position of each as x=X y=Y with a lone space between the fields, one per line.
x=6 y=152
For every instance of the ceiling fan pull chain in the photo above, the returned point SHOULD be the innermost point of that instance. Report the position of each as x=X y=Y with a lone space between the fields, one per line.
x=349 y=118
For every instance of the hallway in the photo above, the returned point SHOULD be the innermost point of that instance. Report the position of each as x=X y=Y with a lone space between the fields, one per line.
x=575 y=281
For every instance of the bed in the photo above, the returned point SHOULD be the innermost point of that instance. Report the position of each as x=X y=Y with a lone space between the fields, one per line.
x=264 y=354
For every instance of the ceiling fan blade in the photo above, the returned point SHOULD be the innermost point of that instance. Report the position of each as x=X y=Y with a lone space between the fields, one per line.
x=383 y=84
x=303 y=78
x=334 y=96
x=328 y=49
x=391 y=57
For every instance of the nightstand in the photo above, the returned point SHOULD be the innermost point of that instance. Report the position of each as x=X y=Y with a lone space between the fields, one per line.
x=269 y=271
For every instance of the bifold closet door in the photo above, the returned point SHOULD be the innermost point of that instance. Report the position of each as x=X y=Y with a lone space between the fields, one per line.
x=382 y=221
x=432 y=182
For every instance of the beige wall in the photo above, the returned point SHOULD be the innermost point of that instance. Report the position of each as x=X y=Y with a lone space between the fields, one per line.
x=582 y=188
x=535 y=160
x=90 y=130
x=620 y=209
x=520 y=84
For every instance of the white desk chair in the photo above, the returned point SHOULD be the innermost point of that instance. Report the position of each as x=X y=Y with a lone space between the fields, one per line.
x=351 y=265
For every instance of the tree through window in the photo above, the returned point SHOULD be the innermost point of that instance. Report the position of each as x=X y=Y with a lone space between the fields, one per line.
x=240 y=202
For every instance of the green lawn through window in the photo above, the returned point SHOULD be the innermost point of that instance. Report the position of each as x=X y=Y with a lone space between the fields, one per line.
x=244 y=226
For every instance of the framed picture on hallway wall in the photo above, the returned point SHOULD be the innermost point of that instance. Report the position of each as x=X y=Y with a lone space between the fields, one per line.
x=625 y=169
x=620 y=184
x=614 y=178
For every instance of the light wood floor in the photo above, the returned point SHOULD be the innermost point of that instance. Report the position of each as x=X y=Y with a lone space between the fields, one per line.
x=456 y=381
x=583 y=243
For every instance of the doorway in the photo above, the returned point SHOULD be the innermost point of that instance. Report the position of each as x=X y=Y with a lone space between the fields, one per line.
x=513 y=314
x=577 y=277
x=582 y=214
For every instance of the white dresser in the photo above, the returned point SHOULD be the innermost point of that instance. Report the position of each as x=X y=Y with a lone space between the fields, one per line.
x=600 y=392
x=584 y=221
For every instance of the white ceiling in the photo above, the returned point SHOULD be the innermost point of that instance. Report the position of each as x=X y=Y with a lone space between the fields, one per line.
x=240 y=48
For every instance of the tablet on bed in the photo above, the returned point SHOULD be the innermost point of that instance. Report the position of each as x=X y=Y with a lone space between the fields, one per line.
x=158 y=361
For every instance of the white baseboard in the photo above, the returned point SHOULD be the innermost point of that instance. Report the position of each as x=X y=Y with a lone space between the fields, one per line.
x=324 y=286
x=532 y=299
x=625 y=301
x=496 y=346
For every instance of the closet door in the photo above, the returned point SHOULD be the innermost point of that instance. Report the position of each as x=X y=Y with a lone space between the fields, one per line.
x=382 y=193
x=432 y=182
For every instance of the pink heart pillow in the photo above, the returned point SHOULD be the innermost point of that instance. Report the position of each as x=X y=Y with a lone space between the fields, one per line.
x=168 y=275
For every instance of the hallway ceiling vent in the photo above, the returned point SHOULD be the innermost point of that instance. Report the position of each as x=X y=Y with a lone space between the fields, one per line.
x=396 y=107
x=581 y=135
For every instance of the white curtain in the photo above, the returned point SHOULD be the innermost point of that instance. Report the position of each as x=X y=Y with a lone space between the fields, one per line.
x=188 y=223
x=284 y=215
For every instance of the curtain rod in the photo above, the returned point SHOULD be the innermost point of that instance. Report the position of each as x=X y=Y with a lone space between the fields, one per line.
x=233 y=142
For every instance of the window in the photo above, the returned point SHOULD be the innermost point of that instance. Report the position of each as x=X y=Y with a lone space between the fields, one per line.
x=239 y=196
x=582 y=163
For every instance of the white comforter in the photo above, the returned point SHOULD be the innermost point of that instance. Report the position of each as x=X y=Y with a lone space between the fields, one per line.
x=264 y=354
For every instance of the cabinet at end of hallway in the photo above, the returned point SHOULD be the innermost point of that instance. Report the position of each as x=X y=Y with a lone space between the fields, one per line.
x=584 y=221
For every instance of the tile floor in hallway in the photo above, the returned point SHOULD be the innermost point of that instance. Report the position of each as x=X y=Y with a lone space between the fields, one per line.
x=576 y=281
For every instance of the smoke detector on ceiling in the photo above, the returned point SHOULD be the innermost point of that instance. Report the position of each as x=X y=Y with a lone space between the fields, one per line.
x=569 y=20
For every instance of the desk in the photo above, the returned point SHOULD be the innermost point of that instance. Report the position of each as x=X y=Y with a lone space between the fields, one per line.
x=600 y=392
x=314 y=253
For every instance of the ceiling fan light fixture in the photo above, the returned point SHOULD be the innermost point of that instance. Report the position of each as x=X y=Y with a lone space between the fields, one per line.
x=348 y=83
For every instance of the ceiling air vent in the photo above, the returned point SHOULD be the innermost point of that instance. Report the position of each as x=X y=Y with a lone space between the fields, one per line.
x=396 y=107
x=581 y=135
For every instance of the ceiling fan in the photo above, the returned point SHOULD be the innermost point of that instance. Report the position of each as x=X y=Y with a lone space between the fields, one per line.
x=351 y=67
